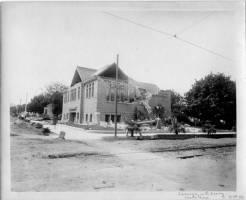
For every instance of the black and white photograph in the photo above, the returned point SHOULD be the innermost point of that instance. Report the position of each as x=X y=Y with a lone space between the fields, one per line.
x=122 y=97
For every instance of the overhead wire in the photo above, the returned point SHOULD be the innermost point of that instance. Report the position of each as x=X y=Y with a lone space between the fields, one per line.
x=193 y=24
x=173 y=36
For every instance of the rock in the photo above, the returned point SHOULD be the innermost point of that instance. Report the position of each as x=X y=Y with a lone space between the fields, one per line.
x=62 y=135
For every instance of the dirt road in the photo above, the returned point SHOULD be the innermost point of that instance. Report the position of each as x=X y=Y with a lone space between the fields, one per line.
x=100 y=163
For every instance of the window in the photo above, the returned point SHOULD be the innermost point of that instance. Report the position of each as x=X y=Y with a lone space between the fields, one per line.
x=78 y=92
x=73 y=94
x=86 y=117
x=118 y=118
x=77 y=116
x=107 y=117
x=87 y=90
x=112 y=118
x=112 y=94
x=92 y=89
x=90 y=117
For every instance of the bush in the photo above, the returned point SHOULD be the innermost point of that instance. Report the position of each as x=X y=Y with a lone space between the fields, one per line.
x=209 y=128
x=27 y=120
x=46 y=131
x=38 y=125
x=46 y=117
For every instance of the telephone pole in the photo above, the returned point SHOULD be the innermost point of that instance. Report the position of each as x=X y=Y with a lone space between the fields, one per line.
x=26 y=104
x=116 y=94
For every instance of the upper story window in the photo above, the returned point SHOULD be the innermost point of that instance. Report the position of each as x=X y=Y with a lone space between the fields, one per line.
x=87 y=90
x=78 y=92
x=73 y=95
x=66 y=97
x=90 y=90
x=122 y=92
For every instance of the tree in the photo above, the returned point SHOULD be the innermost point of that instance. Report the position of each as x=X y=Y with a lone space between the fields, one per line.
x=159 y=111
x=213 y=98
x=55 y=87
x=53 y=94
x=38 y=103
x=139 y=115
x=178 y=107
x=16 y=109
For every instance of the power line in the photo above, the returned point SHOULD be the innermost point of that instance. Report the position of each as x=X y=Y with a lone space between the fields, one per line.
x=173 y=36
x=193 y=24
x=141 y=25
x=203 y=48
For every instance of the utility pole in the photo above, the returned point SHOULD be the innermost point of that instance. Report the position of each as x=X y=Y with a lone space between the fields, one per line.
x=116 y=92
x=26 y=103
x=19 y=110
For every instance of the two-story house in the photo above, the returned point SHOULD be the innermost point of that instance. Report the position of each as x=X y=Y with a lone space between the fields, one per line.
x=91 y=96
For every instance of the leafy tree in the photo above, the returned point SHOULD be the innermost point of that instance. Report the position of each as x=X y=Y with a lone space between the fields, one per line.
x=213 y=98
x=16 y=109
x=55 y=87
x=53 y=94
x=57 y=100
x=178 y=107
x=159 y=111
x=38 y=103
x=139 y=115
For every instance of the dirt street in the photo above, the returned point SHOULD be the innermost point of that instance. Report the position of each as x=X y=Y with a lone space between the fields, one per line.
x=108 y=164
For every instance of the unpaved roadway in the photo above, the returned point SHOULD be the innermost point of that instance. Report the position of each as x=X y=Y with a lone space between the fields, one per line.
x=98 y=162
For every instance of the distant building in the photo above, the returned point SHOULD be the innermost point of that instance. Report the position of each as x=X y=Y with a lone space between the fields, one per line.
x=91 y=96
x=48 y=111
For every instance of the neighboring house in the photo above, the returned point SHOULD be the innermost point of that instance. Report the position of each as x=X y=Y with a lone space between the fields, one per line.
x=91 y=96
x=48 y=111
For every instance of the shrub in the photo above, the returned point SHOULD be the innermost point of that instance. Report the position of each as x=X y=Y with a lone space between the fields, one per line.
x=46 y=131
x=38 y=125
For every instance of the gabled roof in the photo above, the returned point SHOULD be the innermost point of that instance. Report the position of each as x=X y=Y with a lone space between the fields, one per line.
x=82 y=74
x=110 y=71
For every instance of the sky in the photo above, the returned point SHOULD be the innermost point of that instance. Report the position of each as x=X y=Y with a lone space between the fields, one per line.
x=44 y=42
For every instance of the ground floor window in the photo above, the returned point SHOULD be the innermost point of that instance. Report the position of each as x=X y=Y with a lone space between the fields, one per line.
x=118 y=118
x=107 y=118
x=90 y=117
x=86 y=117
x=110 y=117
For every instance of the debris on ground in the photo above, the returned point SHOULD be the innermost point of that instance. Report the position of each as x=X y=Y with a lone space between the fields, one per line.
x=67 y=155
x=62 y=135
